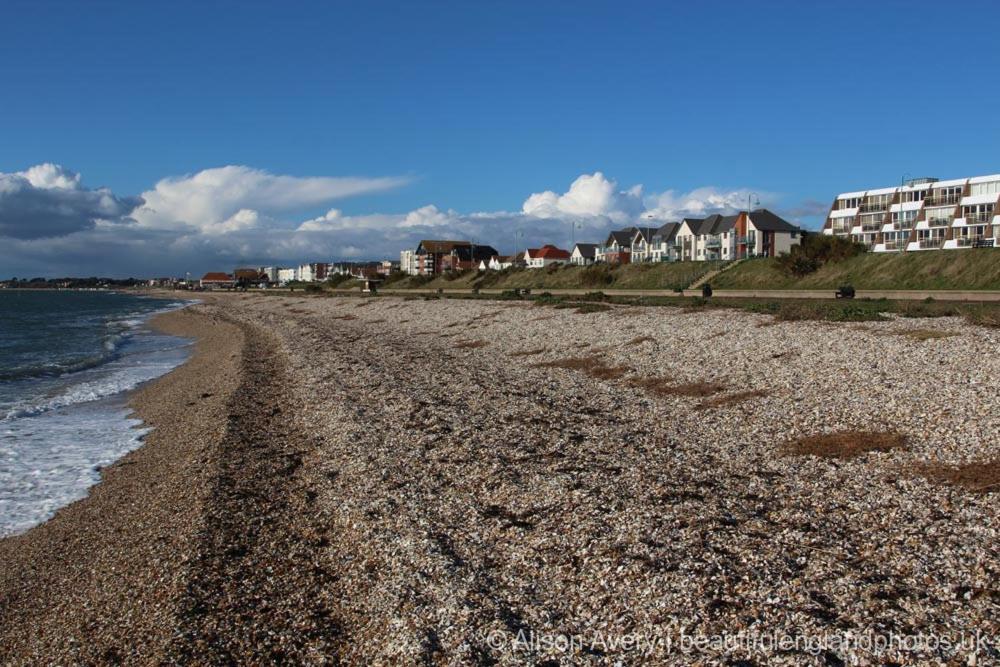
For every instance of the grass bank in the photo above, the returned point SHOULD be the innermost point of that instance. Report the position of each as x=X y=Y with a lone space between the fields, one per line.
x=660 y=276
x=970 y=269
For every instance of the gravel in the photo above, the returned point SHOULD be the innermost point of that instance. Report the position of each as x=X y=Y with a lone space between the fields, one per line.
x=462 y=491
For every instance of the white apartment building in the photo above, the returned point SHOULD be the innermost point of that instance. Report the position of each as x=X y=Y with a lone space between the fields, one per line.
x=286 y=276
x=921 y=214
x=408 y=262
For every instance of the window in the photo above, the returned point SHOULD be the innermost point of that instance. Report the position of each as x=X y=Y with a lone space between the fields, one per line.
x=990 y=188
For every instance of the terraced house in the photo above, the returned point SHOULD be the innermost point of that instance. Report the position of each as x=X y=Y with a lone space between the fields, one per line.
x=920 y=214
x=759 y=233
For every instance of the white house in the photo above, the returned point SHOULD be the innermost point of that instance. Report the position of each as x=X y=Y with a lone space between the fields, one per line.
x=662 y=248
x=537 y=258
x=584 y=254
x=286 y=276
x=617 y=248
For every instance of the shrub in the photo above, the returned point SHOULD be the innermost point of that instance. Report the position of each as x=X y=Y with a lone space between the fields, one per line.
x=815 y=251
x=596 y=275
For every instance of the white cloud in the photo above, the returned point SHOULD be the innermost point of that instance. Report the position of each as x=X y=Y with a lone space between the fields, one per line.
x=590 y=195
x=672 y=205
x=212 y=197
x=218 y=218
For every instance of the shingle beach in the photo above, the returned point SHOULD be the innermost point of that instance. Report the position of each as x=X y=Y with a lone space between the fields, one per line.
x=436 y=481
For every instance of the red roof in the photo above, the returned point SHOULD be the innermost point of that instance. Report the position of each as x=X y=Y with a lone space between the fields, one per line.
x=549 y=252
x=217 y=277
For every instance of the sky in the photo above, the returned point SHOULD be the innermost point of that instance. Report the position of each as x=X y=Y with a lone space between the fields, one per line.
x=156 y=138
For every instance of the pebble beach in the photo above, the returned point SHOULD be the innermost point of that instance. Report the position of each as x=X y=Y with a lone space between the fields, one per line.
x=390 y=480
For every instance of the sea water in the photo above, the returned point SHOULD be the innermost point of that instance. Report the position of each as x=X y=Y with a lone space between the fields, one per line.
x=67 y=362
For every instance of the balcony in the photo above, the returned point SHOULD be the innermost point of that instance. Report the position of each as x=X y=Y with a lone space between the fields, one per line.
x=869 y=227
x=896 y=244
x=979 y=218
x=904 y=226
x=874 y=207
x=940 y=222
x=943 y=200
x=926 y=244
x=713 y=242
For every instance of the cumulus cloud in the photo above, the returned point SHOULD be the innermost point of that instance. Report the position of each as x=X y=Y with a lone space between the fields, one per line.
x=590 y=195
x=219 y=218
x=48 y=200
x=673 y=205
x=212 y=197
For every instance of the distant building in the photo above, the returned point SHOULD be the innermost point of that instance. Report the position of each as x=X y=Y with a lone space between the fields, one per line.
x=434 y=257
x=584 y=254
x=921 y=214
x=537 y=258
x=617 y=248
x=217 y=280
x=286 y=276
x=408 y=262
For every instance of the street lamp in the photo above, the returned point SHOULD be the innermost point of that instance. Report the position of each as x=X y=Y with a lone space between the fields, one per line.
x=746 y=227
x=517 y=234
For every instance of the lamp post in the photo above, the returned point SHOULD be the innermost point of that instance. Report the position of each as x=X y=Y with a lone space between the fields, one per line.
x=746 y=227
x=517 y=234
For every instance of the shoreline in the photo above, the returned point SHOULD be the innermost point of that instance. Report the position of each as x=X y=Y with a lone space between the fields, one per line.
x=99 y=580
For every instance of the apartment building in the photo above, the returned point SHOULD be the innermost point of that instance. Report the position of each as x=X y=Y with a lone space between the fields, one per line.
x=408 y=262
x=920 y=214
x=434 y=257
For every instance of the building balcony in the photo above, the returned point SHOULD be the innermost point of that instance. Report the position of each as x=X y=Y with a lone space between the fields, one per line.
x=927 y=244
x=880 y=207
x=943 y=200
x=869 y=227
x=980 y=218
x=903 y=226
x=713 y=243
x=940 y=222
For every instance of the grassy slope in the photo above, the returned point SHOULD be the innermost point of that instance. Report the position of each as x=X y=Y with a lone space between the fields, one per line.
x=942 y=269
x=667 y=275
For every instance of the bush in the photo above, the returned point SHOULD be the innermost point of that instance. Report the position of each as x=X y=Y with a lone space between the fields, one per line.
x=596 y=275
x=815 y=251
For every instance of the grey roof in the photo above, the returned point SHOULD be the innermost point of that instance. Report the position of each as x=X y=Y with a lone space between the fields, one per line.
x=622 y=236
x=718 y=224
x=587 y=250
x=766 y=221
x=645 y=232
x=694 y=224
x=667 y=232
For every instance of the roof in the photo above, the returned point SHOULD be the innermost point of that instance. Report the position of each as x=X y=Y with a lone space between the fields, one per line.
x=645 y=232
x=548 y=251
x=694 y=224
x=441 y=246
x=217 y=276
x=716 y=224
x=622 y=236
x=667 y=232
x=588 y=250
x=766 y=221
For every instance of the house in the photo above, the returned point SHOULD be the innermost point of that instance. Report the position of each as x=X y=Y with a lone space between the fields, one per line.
x=286 y=276
x=217 y=280
x=496 y=263
x=248 y=277
x=662 y=248
x=537 y=258
x=762 y=233
x=920 y=214
x=584 y=254
x=617 y=248
x=434 y=257
x=642 y=240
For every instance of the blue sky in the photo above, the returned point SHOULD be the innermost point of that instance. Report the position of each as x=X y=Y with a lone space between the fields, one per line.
x=476 y=106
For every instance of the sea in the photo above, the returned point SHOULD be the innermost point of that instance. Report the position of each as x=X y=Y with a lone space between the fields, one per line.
x=68 y=361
